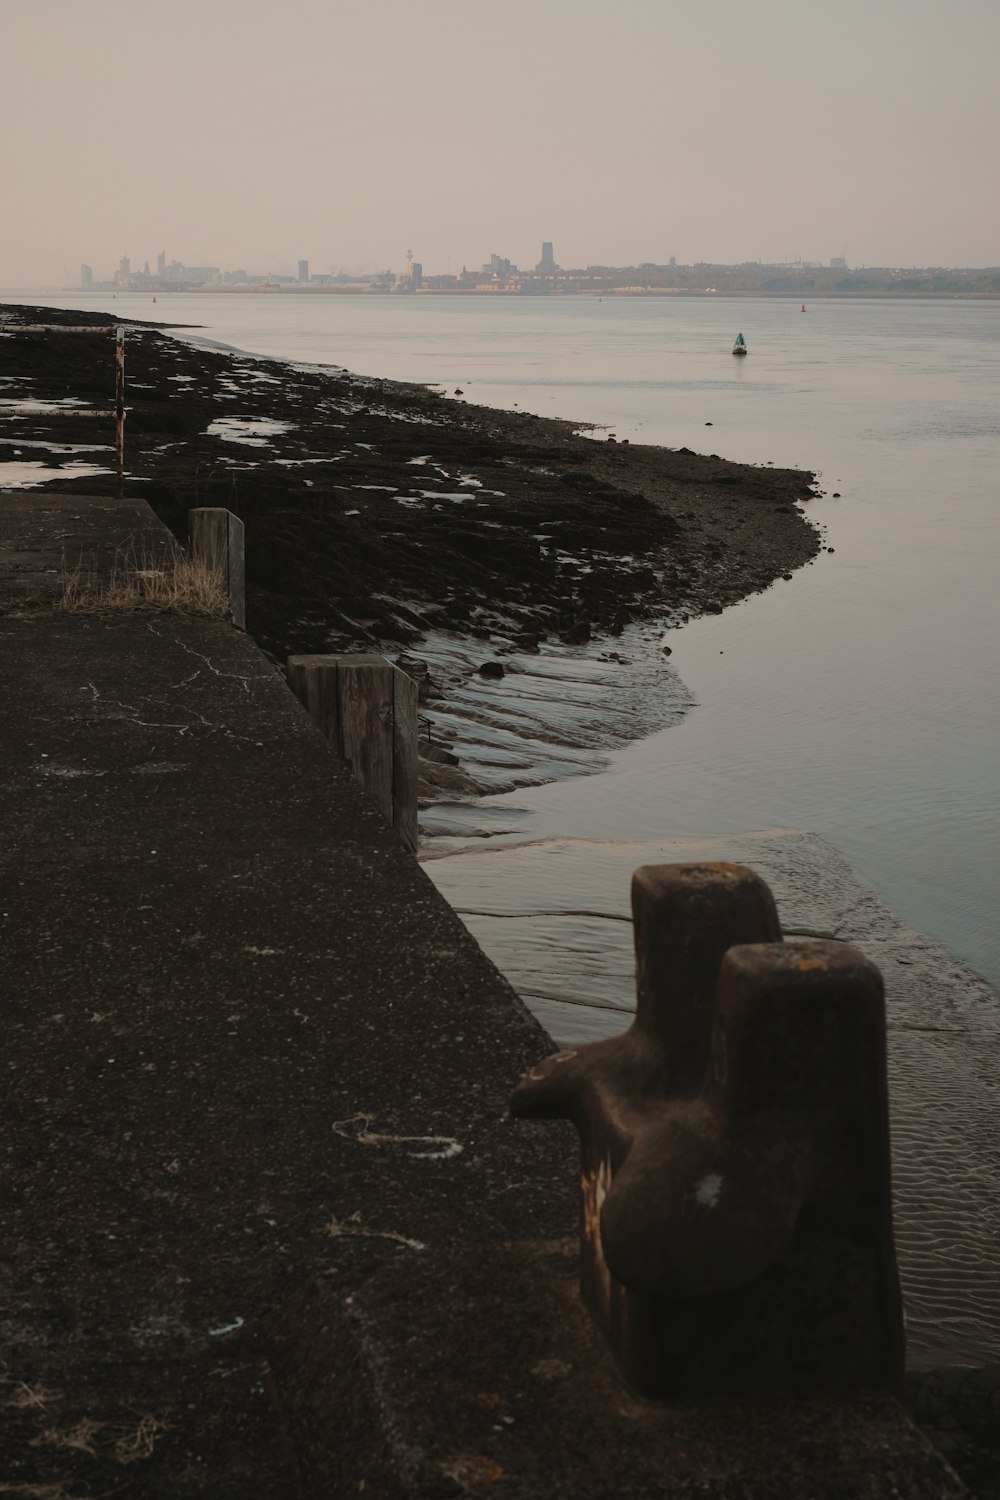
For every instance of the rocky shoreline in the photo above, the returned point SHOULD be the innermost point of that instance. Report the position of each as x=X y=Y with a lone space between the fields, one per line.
x=379 y=513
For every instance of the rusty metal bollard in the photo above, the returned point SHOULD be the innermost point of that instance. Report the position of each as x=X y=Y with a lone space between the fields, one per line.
x=735 y=1219
x=119 y=412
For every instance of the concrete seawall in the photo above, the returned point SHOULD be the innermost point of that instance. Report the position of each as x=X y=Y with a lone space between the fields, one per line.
x=270 y=1230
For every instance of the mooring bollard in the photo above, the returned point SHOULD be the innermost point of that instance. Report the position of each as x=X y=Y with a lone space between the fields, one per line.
x=217 y=539
x=736 y=1219
x=367 y=708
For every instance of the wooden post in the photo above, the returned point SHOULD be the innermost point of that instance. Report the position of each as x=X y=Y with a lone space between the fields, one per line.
x=120 y=412
x=405 y=693
x=367 y=708
x=217 y=539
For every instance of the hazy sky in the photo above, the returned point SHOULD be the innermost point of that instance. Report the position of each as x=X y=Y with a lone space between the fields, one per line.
x=252 y=132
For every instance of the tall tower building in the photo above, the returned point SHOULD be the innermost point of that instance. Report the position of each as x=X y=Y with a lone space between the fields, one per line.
x=303 y=270
x=161 y=264
x=86 y=278
x=547 y=264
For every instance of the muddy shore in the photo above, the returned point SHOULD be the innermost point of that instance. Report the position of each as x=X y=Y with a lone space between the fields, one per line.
x=377 y=510
x=401 y=518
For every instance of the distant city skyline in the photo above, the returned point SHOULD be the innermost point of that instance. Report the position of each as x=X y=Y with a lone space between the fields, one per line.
x=175 y=274
x=707 y=130
x=497 y=266
x=500 y=276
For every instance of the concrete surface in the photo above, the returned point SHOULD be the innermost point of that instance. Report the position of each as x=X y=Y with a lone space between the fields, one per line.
x=257 y=1158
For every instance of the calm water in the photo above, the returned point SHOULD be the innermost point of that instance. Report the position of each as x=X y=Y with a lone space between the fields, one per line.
x=858 y=701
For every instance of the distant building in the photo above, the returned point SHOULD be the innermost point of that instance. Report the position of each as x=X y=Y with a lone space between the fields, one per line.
x=303 y=270
x=86 y=277
x=411 y=278
x=499 y=265
x=161 y=264
x=838 y=263
x=547 y=265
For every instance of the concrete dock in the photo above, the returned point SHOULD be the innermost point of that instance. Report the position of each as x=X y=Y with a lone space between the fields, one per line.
x=269 y=1229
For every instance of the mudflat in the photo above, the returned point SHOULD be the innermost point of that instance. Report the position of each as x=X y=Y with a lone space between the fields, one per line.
x=376 y=511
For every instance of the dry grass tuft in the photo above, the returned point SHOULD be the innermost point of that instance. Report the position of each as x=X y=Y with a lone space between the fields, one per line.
x=79 y=1438
x=172 y=582
x=131 y=1444
x=57 y=1491
x=27 y=1396
x=141 y=1442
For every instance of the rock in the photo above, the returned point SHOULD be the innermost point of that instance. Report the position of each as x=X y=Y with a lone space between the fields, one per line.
x=667 y=650
x=787 y=577
x=492 y=669
x=836 y=494
x=713 y=607
x=459 y=391
x=436 y=754
x=435 y=779
x=577 y=633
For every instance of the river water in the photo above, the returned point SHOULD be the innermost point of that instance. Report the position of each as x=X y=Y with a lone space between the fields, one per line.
x=856 y=702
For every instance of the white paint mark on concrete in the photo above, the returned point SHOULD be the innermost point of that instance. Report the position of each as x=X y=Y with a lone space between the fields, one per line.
x=355 y=1128
x=216 y=1333
x=353 y=1228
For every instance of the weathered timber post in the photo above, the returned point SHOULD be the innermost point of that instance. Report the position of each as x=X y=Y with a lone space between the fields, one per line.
x=368 y=709
x=736 y=1220
x=120 y=412
x=217 y=539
